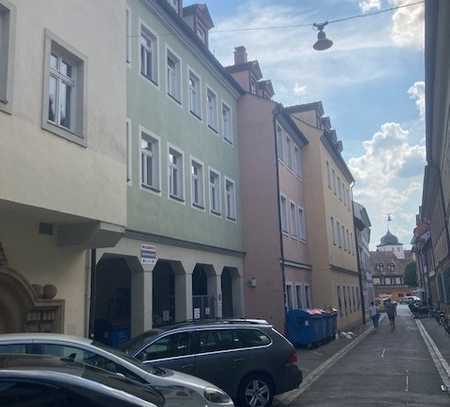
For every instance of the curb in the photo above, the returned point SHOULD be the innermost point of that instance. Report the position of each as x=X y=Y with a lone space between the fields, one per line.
x=289 y=397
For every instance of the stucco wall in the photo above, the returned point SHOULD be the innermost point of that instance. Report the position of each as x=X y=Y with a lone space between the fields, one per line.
x=260 y=210
x=150 y=106
x=41 y=169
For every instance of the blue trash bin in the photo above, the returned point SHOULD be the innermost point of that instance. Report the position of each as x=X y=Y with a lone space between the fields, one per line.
x=304 y=327
x=119 y=335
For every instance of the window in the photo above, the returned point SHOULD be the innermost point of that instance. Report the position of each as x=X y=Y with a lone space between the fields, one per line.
x=298 y=161
x=334 y=181
x=301 y=224
x=169 y=346
x=293 y=220
x=345 y=301
x=328 y=175
x=348 y=241
x=376 y=281
x=391 y=267
x=230 y=199
x=283 y=209
x=339 y=188
x=344 y=195
x=214 y=192
x=174 y=4
x=352 y=244
x=387 y=281
x=280 y=143
x=150 y=174
x=398 y=280
x=129 y=35
x=211 y=99
x=333 y=231
x=173 y=75
x=339 y=300
x=289 y=152
x=201 y=33
x=307 y=296
x=249 y=338
x=6 y=24
x=227 y=123
x=63 y=90
x=289 y=297
x=13 y=348
x=338 y=226
x=197 y=185
x=344 y=242
x=176 y=174
x=216 y=340
x=298 y=293
x=149 y=54
x=129 y=151
x=380 y=267
x=194 y=95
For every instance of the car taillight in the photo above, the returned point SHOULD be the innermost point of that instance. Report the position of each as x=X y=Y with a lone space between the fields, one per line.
x=293 y=358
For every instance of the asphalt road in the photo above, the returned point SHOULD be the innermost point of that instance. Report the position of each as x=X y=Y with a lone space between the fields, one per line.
x=385 y=369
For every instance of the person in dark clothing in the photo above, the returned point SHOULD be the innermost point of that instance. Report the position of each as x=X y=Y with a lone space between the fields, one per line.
x=391 y=311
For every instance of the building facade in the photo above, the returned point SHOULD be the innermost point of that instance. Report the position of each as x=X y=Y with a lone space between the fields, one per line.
x=388 y=264
x=328 y=203
x=182 y=254
x=434 y=212
x=62 y=157
x=277 y=263
x=362 y=234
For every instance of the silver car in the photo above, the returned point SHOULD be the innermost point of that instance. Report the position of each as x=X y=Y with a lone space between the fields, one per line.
x=91 y=353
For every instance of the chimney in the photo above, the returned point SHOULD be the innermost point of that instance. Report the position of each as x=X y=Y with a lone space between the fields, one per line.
x=240 y=55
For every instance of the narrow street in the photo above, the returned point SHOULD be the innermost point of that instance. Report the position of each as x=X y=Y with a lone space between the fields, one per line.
x=385 y=369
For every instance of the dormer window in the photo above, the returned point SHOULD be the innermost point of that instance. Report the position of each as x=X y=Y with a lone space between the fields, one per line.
x=174 y=4
x=201 y=33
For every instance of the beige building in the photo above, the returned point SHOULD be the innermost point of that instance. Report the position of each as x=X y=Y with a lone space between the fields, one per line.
x=62 y=156
x=328 y=202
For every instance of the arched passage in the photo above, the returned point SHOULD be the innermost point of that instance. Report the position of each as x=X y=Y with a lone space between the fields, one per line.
x=163 y=293
x=230 y=292
x=203 y=301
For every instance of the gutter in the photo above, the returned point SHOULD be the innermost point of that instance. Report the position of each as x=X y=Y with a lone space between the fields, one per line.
x=358 y=260
x=275 y=114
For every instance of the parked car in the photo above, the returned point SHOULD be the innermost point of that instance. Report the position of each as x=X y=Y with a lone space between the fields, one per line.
x=177 y=388
x=250 y=360
x=27 y=380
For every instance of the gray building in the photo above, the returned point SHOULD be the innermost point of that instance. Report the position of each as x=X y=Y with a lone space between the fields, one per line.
x=362 y=233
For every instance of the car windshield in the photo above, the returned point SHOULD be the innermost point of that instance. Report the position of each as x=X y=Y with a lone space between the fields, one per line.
x=138 y=341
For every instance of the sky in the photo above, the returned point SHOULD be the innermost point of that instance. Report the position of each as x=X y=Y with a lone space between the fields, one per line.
x=371 y=84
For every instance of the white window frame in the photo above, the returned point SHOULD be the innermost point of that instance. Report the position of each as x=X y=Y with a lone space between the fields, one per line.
x=198 y=115
x=339 y=185
x=219 y=194
x=293 y=223
x=329 y=175
x=202 y=206
x=129 y=43
x=155 y=58
x=301 y=223
x=129 y=135
x=156 y=190
x=234 y=197
x=7 y=55
x=229 y=139
x=298 y=160
x=333 y=229
x=289 y=290
x=180 y=199
x=215 y=125
x=308 y=297
x=299 y=301
x=77 y=131
x=338 y=227
x=343 y=237
x=348 y=241
x=333 y=172
x=178 y=99
x=285 y=221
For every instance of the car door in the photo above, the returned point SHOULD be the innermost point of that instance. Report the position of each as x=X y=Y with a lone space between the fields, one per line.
x=218 y=358
x=173 y=351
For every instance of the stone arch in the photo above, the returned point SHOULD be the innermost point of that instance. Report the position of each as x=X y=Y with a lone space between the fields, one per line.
x=22 y=308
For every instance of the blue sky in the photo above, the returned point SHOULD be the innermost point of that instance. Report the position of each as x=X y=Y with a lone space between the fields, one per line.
x=370 y=82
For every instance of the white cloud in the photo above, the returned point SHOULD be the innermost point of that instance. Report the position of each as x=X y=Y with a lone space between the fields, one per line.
x=368 y=5
x=417 y=92
x=389 y=174
x=299 y=90
x=408 y=25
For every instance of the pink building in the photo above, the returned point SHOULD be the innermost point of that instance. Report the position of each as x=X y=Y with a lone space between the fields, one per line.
x=277 y=264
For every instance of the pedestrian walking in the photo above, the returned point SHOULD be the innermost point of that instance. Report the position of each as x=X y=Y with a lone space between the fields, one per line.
x=374 y=315
x=391 y=311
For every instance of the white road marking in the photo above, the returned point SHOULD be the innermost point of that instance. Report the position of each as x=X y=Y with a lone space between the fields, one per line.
x=382 y=352
x=407 y=381
x=438 y=360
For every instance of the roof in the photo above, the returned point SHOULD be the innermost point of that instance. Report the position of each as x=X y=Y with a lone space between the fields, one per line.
x=248 y=66
x=267 y=85
x=306 y=107
x=187 y=30
x=200 y=9
x=282 y=111
x=360 y=213
x=45 y=336
x=389 y=240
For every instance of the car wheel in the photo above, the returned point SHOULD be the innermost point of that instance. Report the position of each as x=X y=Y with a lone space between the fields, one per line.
x=256 y=391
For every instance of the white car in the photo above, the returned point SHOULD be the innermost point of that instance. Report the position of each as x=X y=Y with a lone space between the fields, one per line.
x=190 y=391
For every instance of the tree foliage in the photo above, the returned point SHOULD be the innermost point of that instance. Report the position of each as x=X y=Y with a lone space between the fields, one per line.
x=411 y=274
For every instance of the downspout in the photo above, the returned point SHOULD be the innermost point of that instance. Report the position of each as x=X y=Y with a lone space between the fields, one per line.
x=438 y=169
x=361 y=291
x=93 y=293
x=283 y=270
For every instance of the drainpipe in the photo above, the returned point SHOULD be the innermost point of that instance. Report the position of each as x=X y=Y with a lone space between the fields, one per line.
x=444 y=209
x=361 y=291
x=283 y=270
x=93 y=293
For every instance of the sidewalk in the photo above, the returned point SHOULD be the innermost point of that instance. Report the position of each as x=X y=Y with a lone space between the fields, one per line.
x=439 y=336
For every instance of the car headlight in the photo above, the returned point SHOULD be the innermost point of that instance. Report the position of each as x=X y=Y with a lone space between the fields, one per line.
x=216 y=396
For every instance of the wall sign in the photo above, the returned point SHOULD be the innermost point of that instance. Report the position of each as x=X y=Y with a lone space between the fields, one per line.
x=148 y=254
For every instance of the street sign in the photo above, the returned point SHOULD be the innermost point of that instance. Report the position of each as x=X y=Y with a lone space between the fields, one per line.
x=148 y=254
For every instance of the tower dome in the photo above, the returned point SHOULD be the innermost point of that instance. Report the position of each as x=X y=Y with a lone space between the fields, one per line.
x=389 y=240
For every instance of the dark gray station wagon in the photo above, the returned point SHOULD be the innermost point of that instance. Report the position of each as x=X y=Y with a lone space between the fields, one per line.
x=250 y=360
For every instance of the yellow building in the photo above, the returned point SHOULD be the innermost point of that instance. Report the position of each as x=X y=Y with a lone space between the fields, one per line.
x=328 y=201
